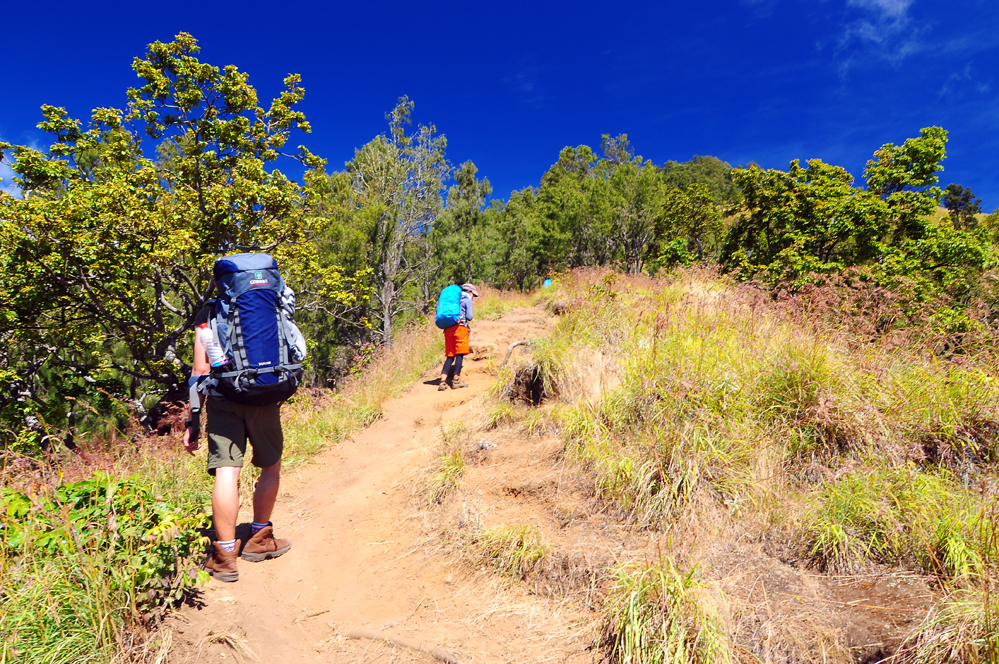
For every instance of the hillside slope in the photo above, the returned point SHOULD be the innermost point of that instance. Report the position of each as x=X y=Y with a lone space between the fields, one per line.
x=671 y=470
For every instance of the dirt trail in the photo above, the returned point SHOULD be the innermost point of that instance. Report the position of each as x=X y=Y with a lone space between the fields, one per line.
x=363 y=557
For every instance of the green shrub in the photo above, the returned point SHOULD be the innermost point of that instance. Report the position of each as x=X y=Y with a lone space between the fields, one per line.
x=84 y=563
x=901 y=515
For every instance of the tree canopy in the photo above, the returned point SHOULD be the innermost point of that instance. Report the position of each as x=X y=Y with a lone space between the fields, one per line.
x=106 y=257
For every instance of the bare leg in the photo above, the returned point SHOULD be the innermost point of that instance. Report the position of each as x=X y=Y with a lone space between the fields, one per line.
x=225 y=503
x=265 y=494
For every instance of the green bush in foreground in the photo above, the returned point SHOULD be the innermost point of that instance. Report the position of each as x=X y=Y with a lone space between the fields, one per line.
x=87 y=561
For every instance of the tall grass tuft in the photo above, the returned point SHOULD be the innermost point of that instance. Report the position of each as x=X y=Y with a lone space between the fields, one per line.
x=450 y=470
x=901 y=516
x=962 y=629
x=656 y=614
x=515 y=551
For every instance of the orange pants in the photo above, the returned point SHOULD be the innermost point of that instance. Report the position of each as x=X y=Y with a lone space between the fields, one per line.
x=456 y=340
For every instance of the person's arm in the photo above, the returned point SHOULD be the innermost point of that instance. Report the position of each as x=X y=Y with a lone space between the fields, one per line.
x=466 y=306
x=201 y=368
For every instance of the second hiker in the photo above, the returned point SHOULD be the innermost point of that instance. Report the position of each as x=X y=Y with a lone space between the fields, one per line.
x=454 y=310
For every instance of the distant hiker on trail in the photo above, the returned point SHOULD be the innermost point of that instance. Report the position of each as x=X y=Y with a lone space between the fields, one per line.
x=454 y=310
x=247 y=361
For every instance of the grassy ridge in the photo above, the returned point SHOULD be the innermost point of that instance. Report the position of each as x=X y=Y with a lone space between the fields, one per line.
x=86 y=567
x=685 y=395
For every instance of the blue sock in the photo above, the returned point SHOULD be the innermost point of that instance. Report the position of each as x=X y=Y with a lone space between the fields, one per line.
x=257 y=527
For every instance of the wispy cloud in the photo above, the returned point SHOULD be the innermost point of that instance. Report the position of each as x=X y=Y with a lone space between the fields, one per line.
x=524 y=83
x=963 y=80
x=762 y=8
x=889 y=8
x=883 y=31
x=7 y=179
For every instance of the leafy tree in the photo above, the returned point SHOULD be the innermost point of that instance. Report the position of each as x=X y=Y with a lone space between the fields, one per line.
x=904 y=176
x=991 y=226
x=518 y=251
x=812 y=220
x=573 y=221
x=802 y=221
x=712 y=172
x=398 y=184
x=690 y=228
x=617 y=150
x=459 y=235
x=333 y=297
x=963 y=206
x=107 y=258
x=638 y=195
x=926 y=255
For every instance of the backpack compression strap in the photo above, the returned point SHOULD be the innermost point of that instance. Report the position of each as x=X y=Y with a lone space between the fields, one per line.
x=239 y=352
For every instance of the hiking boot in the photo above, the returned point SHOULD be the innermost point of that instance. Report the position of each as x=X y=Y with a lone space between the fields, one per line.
x=442 y=386
x=221 y=564
x=263 y=545
x=458 y=383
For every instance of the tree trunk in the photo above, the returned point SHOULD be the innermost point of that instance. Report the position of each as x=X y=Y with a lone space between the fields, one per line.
x=388 y=299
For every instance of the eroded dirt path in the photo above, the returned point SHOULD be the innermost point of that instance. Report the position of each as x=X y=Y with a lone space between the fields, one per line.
x=363 y=557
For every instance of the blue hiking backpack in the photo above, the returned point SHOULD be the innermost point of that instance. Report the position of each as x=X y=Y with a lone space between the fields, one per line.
x=449 y=307
x=254 y=325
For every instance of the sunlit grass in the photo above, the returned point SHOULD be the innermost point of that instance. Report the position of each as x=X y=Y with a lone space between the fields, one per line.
x=964 y=628
x=447 y=479
x=512 y=550
x=694 y=397
x=657 y=614
x=901 y=516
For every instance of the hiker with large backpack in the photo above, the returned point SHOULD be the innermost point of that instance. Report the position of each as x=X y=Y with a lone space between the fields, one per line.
x=454 y=310
x=248 y=357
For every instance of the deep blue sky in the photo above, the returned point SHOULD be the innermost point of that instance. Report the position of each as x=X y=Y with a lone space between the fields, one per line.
x=512 y=83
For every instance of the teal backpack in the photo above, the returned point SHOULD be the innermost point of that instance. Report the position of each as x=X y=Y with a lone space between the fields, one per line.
x=449 y=307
